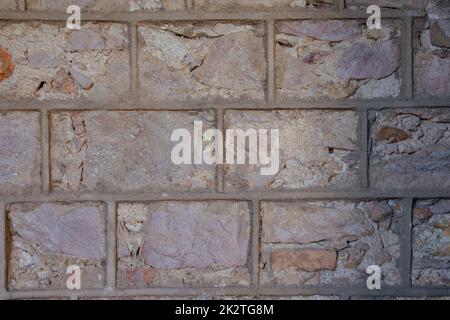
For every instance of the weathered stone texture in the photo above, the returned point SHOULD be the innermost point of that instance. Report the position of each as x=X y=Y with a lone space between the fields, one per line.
x=317 y=149
x=432 y=58
x=329 y=243
x=202 y=61
x=438 y=9
x=20 y=153
x=8 y=5
x=337 y=59
x=410 y=148
x=45 y=238
x=106 y=5
x=261 y=4
x=404 y=4
x=431 y=243
x=51 y=62
x=183 y=244
x=124 y=151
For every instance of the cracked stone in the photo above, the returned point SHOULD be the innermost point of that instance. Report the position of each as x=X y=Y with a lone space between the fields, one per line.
x=184 y=243
x=46 y=237
x=337 y=59
x=317 y=149
x=202 y=61
x=116 y=152
x=20 y=153
x=414 y=152
x=431 y=62
x=369 y=61
x=343 y=237
x=431 y=245
x=442 y=206
x=43 y=53
x=331 y=30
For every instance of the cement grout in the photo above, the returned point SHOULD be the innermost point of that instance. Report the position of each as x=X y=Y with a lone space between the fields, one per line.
x=407 y=59
x=350 y=291
x=45 y=152
x=3 y=288
x=134 y=57
x=55 y=106
x=275 y=195
x=199 y=15
x=406 y=244
x=220 y=169
x=255 y=242
x=364 y=149
x=111 y=245
x=271 y=87
x=254 y=197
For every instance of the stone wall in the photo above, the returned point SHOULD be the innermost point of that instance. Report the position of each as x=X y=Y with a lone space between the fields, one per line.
x=86 y=176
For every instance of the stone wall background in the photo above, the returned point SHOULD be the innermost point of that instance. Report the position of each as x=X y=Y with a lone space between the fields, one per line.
x=86 y=119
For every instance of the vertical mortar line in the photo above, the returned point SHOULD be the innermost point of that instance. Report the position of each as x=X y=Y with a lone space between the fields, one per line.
x=407 y=59
x=111 y=220
x=134 y=57
x=271 y=89
x=21 y=5
x=341 y=4
x=220 y=172
x=189 y=4
x=364 y=147
x=406 y=243
x=45 y=150
x=3 y=291
x=255 y=243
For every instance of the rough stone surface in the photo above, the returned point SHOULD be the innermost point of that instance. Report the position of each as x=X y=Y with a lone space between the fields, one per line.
x=261 y=4
x=305 y=260
x=9 y=5
x=317 y=149
x=406 y=4
x=183 y=244
x=124 y=151
x=329 y=243
x=431 y=243
x=337 y=59
x=202 y=61
x=432 y=59
x=45 y=56
x=20 y=153
x=438 y=9
x=106 y=5
x=45 y=238
x=410 y=148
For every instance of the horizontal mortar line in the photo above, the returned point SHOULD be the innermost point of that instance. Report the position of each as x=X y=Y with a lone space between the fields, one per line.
x=235 y=291
x=168 y=106
x=204 y=16
x=208 y=291
x=357 y=291
x=241 y=196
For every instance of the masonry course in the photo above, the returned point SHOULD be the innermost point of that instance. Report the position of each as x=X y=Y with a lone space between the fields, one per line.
x=85 y=124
